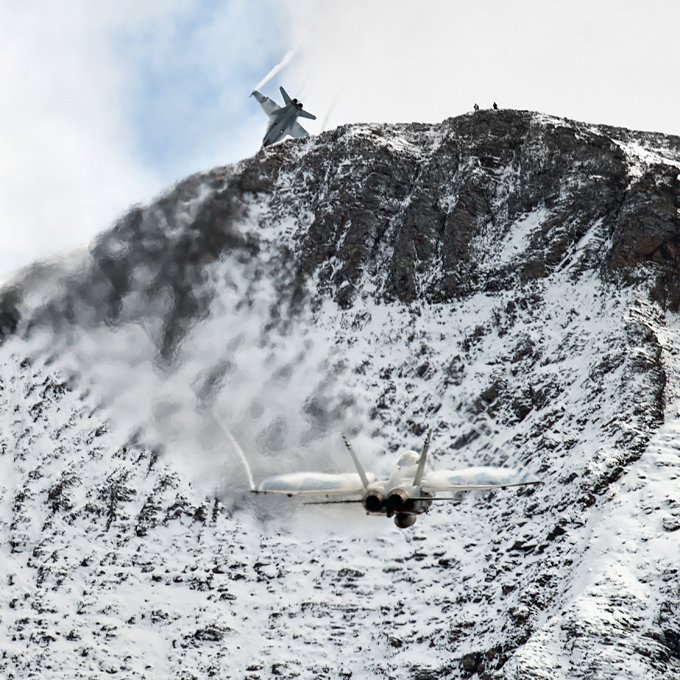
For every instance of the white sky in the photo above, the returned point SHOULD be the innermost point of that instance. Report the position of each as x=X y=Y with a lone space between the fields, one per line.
x=102 y=105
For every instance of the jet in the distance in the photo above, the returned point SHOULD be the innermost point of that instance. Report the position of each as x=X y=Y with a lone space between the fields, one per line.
x=282 y=120
x=408 y=492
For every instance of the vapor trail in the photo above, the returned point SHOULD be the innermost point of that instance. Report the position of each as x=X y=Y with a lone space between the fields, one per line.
x=328 y=115
x=277 y=68
x=330 y=109
x=239 y=450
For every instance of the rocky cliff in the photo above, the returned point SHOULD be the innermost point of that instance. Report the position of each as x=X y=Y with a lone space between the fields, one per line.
x=506 y=278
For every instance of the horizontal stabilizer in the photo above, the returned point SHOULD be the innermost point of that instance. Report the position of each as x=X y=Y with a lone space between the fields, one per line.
x=304 y=114
x=453 y=499
x=354 y=500
x=313 y=483
x=477 y=478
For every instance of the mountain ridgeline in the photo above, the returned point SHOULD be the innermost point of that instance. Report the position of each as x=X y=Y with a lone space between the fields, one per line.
x=509 y=279
x=423 y=212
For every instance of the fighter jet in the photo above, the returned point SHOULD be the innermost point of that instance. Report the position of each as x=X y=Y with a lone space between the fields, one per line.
x=408 y=492
x=282 y=121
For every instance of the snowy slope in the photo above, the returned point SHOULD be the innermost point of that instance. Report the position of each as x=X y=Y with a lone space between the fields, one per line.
x=511 y=275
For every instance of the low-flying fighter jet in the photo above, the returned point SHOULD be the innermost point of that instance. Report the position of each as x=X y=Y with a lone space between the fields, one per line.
x=408 y=492
x=282 y=121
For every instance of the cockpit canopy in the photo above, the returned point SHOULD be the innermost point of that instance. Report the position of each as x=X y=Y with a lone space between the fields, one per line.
x=408 y=459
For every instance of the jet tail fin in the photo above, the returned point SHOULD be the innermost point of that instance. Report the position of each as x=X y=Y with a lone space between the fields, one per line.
x=360 y=470
x=421 y=463
x=285 y=96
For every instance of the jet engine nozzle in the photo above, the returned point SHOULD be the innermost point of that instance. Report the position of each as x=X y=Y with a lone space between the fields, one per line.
x=299 y=105
x=397 y=500
x=374 y=501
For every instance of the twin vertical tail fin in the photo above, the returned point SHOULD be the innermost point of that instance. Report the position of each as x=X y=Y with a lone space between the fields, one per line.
x=421 y=463
x=360 y=470
x=419 y=472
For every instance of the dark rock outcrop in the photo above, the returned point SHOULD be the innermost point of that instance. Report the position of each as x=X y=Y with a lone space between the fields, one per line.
x=417 y=210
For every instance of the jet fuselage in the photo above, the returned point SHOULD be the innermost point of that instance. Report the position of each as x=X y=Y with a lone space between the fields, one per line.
x=398 y=495
x=283 y=120
x=281 y=123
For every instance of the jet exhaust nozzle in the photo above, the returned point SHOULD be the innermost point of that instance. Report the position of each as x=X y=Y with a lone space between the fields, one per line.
x=374 y=501
x=397 y=500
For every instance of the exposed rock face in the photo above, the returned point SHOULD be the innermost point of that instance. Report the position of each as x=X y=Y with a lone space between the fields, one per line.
x=503 y=272
x=424 y=212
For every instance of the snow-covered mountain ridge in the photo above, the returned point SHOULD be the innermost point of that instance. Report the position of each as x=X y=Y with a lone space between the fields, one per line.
x=508 y=269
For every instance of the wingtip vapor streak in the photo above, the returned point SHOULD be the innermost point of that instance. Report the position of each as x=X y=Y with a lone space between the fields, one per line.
x=408 y=492
x=282 y=119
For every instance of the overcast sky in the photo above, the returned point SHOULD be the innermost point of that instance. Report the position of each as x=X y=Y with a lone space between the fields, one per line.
x=103 y=105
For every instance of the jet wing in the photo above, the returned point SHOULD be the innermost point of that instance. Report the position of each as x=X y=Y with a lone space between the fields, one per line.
x=298 y=131
x=269 y=106
x=310 y=483
x=477 y=478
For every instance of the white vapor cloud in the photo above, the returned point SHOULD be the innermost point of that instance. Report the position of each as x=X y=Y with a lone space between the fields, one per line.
x=66 y=163
x=102 y=105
